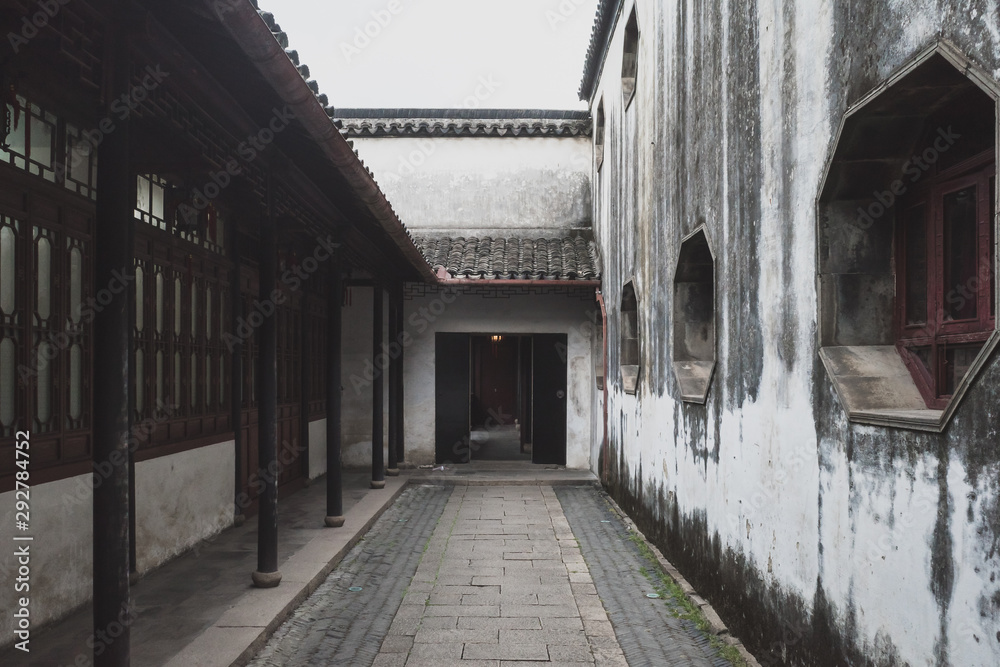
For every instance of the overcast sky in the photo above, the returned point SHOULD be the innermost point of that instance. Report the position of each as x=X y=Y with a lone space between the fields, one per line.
x=441 y=53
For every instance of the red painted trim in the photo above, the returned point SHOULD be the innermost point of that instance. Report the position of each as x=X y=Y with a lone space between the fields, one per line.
x=604 y=328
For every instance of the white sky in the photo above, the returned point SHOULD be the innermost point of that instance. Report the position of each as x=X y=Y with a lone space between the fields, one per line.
x=441 y=53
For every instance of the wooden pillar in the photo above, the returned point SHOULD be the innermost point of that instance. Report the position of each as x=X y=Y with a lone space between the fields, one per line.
x=113 y=258
x=240 y=502
x=305 y=372
x=378 y=461
x=267 y=575
x=334 y=315
x=402 y=340
x=395 y=378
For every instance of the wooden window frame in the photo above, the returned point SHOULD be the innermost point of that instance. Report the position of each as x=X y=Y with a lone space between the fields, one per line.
x=935 y=331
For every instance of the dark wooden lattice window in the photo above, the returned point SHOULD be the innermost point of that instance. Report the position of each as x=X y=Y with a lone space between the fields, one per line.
x=46 y=311
x=316 y=323
x=180 y=356
x=945 y=276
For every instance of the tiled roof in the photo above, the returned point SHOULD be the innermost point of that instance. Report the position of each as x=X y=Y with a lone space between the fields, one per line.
x=463 y=122
x=600 y=38
x=567 y=258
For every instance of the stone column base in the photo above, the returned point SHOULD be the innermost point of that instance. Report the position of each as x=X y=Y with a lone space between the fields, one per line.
x=334 y=521
x=266 y=579
x=378 y=485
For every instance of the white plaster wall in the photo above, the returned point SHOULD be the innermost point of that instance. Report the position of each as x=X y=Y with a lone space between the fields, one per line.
x=61 y=553
x=427 y=315
x=317 y=448
x=357 y=371
x=182 y=499
x=865 y=530
x=464 y=184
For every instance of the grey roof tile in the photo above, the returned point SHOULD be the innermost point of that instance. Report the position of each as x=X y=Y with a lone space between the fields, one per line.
x=570 y=257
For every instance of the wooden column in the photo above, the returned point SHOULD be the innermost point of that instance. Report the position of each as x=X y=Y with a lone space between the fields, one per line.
x=378 y=461
x=334 y=315
x=401 y=435
x=305 y=371
x=236 y=372
x=267 y=575
x=113 y=258
x=395 y=378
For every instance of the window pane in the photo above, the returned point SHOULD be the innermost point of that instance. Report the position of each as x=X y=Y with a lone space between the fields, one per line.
x=142 y=195
x=44 y=406
x=156 y=193
x=140 y=382
x=75 y=382
x=916 y=266
x=159 y=302
x=75 y=284
x=208 y=313
x=8 y=275
x=140 y=301
x=41 y=142
x=222 y=380
x=8 y=379
x=960 y=256
x=177 y=306
x=208 y=379
x=194 y=309
x=958 y=360
x=159 y=380
x=195 y=381
x=44 y=278
x=177 y=379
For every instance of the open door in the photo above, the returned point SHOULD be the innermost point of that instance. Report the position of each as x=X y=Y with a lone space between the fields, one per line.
x=549 y=370
x=452 y=391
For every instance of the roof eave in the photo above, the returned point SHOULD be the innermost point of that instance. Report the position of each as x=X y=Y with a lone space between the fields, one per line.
x=249 y=30
x=600 y=40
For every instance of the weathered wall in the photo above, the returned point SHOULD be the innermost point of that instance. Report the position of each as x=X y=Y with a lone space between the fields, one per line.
x=819 y=541
x=317 y=448
x=357 y=371
x=431 y=311
x=61 y=556
x=180 y=500
x=463 y=185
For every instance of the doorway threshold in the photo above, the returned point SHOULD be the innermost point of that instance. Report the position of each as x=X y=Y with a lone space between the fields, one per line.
x=494 y=473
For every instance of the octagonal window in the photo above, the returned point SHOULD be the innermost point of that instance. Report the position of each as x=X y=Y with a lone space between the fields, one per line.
x=629 y=352
x=907 y=236
x=694 y=318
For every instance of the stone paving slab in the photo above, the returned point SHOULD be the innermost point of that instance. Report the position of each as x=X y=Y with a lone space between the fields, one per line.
x=506 y=557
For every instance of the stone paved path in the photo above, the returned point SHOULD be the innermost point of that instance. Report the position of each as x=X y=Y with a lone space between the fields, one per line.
x=502 y=581
x=337 y=626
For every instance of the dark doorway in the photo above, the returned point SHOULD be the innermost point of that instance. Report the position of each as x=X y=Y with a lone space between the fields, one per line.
x=549 y=399
x=486 y=388
x=451 y=391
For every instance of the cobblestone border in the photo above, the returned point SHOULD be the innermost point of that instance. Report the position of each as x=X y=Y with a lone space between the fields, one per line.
x=716 y=625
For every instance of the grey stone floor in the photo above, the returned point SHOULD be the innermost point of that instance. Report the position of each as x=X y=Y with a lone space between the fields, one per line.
x=178 y=601
x=503 y=580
